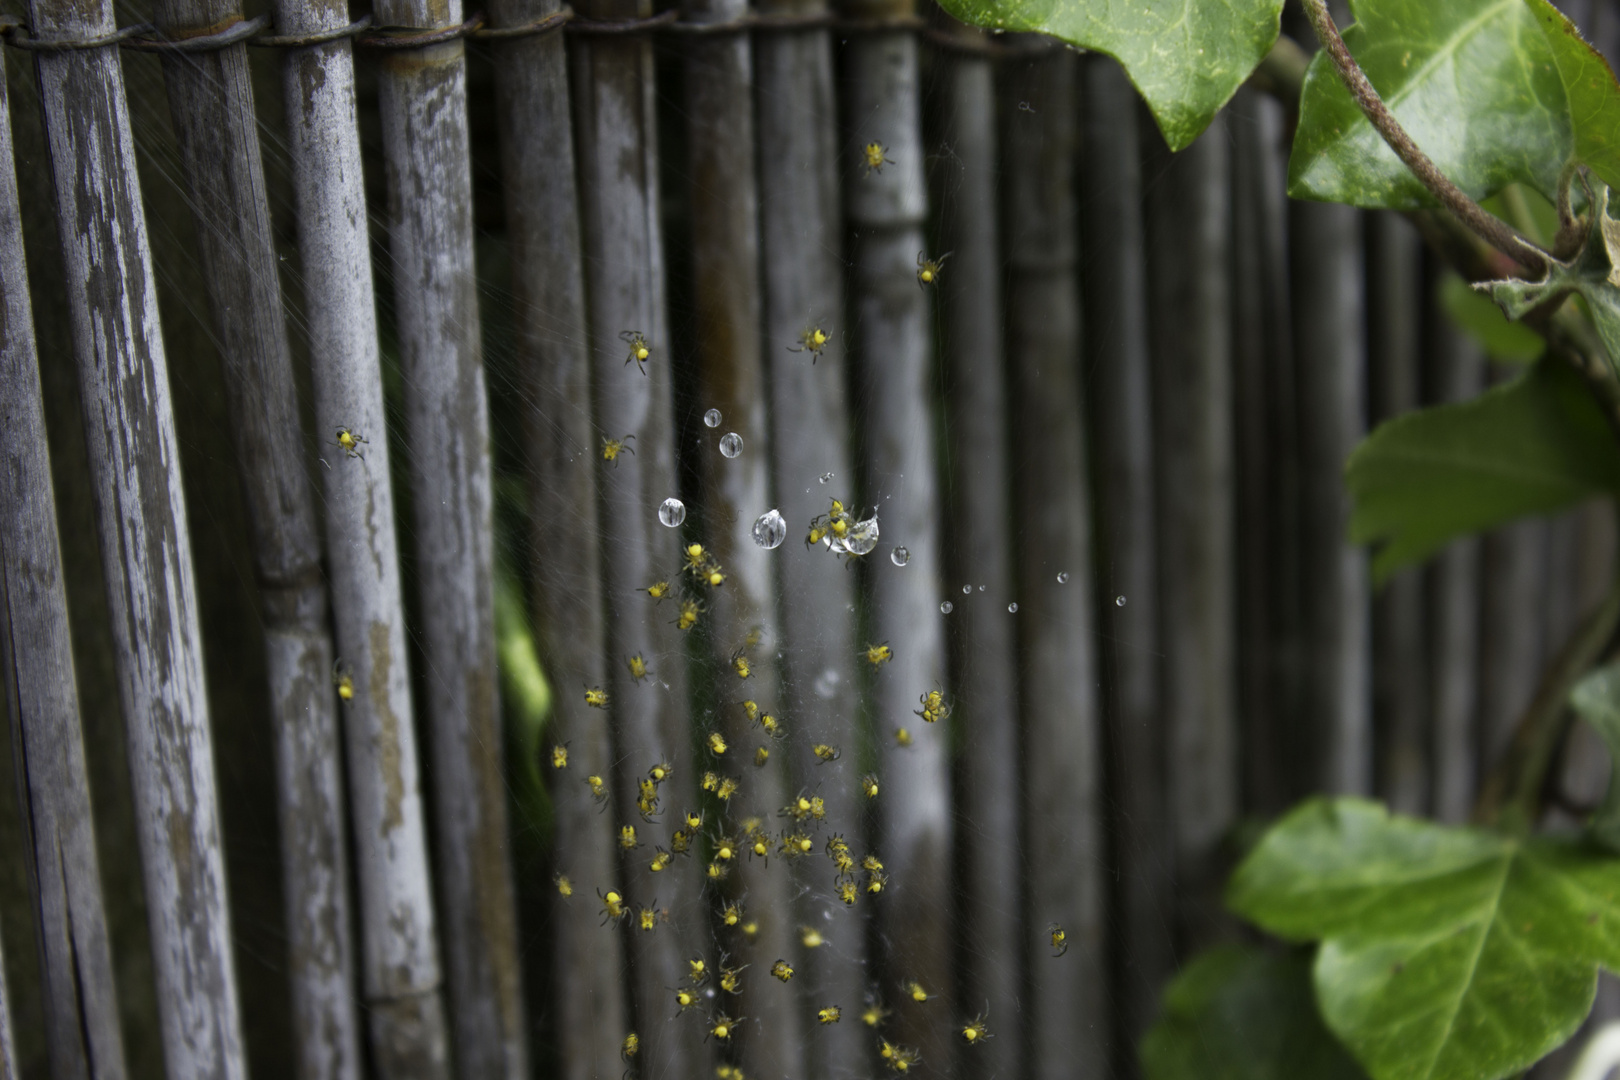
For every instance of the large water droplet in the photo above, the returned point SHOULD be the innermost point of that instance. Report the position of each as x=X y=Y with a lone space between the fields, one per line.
x=770 y=530
x=863 y=536
x=1012 y=608
x=731 y=444
x=672 y=512
x=711 y=418
x=1063 y=577
x=946 y=607
x=899 y=556
x=1119 y=601
x=824 y=477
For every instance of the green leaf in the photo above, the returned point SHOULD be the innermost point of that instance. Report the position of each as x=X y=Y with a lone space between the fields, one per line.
x=1186 y=57
x=1447 y=953
x=1591 y=89
x=1241 y=1013
x=1472 y=81
x=1476 y=316
x=1596 y=699
x=1530 y=446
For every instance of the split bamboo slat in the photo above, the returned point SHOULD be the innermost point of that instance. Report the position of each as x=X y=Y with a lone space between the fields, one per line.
x=82 y=1035
x=145 y=541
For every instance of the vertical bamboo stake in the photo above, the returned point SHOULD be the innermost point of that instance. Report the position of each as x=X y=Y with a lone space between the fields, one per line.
x=893 y=347
x=81 y=1008
x=1116 y=347
x=801 y=239
x=1329 y=340
x=1513 y=630
x=400 y=965
x=211 y=105
x=145 y=543
x=1066 y=1024
x=422 y=96
x=979 y=549
x=616 y=136
x=724 y=196
x=1400 y=676
x=1189 y=245
x=1454 y=610
x=10 y=1068
x=542 y=213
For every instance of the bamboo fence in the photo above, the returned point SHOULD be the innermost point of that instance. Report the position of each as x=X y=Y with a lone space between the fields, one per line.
x=665 y=308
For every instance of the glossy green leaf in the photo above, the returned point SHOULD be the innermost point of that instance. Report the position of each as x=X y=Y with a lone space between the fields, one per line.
x=1597 y=699
x=1591 y=89
x=1241 y=1013
x=1530 y=446
x=1447 y=953
x=1480 y=319
x=1186 y=57
x=1472 y=81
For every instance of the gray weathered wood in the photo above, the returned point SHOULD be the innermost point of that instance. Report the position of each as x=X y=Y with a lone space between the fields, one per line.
x=1065 y=1013
x=1513 y=630
x=979 y=547
x=141 y=518
x=616 y=139
x=422 y=98
x=1331 y=358
x=1189 y=251
x=723 y=196
x=211 y=106
x=1400 y=669
x=586 y=996
x=1116 y=350
x=10 y=1067
x=801 y=233
x=82 y=1035
x=400 y=967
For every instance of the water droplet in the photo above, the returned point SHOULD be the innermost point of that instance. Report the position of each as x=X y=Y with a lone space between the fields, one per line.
x=731 y=444
x=946 y=607
x=981 y=588
x=1063 y=577
x=967 y=590
x=711 y=418
x=826 y=684
x=1119 y=601
x=863 y=537
x=672 y=512
x=825 y=477
x=1012 y=608
x=770 y=530
x=899 y=556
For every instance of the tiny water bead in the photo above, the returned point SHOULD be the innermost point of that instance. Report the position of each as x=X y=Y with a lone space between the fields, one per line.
x=711 y=418
x=1012 y=608
x=824 y=478
x=1119 y=601
x=770 y=529
x=899 y=556
x=672 y=512
x=1063 y=577
x=966 y=590
x=731 y=444
x=946 y=607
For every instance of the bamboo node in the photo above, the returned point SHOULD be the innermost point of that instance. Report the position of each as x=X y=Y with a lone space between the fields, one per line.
x=417 y=37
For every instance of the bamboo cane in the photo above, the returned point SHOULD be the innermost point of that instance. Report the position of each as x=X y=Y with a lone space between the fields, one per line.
x=80 y=998
x=801 y=233
x=211 y=104
x=1117 y=350
x=145 y=542
x=587 y=992
x=400 y=959
x=10 y=1067
x=1063 y=816
x=978 y=548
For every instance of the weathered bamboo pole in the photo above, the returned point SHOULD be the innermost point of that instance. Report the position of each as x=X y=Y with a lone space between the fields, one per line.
x=730 y=343
x=1065 y=1022
x=211 y=106
x=1116 y=347
x=1513 y=631
x=400 y=962
x=801 y=234
x=1188 y=229
x=10 y=1067
x=1400 y=669
x=422 y=96
x=1330 y=346
x=978 y=548
x=145 y=542
x=586 y=995
x=82 y=1035
x=615 y=135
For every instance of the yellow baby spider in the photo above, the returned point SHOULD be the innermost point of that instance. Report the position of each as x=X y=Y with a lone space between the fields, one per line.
x=830 y=1015
x=639 y=351
x=879 y=654
x=350 y=443
x=928 y=269
x=612 y=448
x=596 y=697
x=876 y=156
x=812 y=341
x=976 y=1030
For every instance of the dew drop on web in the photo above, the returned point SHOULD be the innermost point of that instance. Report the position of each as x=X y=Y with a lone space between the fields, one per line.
x=672 y=512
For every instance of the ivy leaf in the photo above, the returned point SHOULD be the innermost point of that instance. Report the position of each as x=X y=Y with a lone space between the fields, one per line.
x=1241 y=1013
x=1597 y=699
x=1529 y=446
x=1447 y=953
x=1186 y=57
x=1476 y=316
x=1591 y=89
x=1472 y=81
